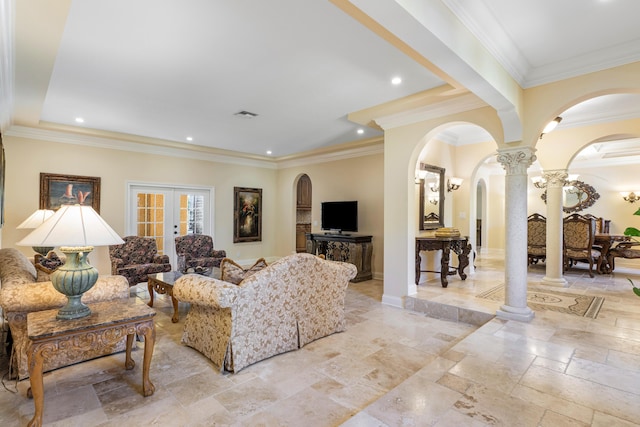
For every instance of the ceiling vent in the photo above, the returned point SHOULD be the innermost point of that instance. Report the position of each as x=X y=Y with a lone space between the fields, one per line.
x=246 y=114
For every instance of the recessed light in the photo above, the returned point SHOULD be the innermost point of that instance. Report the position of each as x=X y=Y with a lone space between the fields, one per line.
x=79 y=120
x=189 y=138
x=360 y=131
x=396 y=80
x=269 y=152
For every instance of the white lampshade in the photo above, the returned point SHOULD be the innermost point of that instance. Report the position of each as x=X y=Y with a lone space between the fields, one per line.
x=73 y=225
x=456 y=181
x=36 y=219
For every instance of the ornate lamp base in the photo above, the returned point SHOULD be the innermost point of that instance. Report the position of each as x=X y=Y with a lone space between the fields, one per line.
x=73 y=279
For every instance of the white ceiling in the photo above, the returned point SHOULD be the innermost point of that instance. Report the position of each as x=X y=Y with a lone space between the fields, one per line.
x=169 y=69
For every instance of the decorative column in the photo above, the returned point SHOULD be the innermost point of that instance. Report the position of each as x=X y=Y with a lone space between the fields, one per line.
x=555 y=180
x=516 y=161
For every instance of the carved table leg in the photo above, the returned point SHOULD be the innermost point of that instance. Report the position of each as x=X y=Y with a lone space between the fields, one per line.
x=150 y=287
x=174 y=319
x=129 y=363
x=463 y=260
x=418 y=261
x=444 y=264
x=149 y=332
x=36 y=361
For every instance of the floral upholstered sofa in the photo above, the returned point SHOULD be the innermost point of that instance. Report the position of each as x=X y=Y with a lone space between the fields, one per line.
x=24 y=289
x=282 y=307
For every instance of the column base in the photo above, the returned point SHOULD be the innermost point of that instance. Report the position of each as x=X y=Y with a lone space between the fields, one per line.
x=514 y=313
x=552 y=281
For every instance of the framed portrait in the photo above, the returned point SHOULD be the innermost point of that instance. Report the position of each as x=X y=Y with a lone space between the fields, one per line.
x=247 y=215
x=57 y=190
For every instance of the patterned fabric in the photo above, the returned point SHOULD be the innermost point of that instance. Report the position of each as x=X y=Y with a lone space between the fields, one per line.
x=579 y=233
x=198 y=251
x=136 y=258
x=536 y=238
x=48 y=264
x=234 y=273
x=20 y=294
x=284 y=306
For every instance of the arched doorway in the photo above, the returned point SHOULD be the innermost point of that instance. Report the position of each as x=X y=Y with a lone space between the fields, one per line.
x=303 y=212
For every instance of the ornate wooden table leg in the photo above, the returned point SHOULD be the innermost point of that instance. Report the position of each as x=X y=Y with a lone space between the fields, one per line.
x=36 y=360
x=129 y=363
x=147 y=329
x=463 y=260
x=444 y=264
x=418 y=261
x=150 y=287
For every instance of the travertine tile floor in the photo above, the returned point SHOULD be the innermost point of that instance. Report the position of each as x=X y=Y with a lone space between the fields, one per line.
x=392 y=367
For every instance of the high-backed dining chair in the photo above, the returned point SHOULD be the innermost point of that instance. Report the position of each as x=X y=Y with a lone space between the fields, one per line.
x=536 y=238
x=136 y=258
x=198 y=251
x=578 y=233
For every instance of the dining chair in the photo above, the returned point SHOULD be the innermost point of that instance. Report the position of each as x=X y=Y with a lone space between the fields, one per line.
x=536 y=238
x=578 y=234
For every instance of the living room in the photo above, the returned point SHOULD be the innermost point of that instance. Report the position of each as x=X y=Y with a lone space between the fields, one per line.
x=377 y=170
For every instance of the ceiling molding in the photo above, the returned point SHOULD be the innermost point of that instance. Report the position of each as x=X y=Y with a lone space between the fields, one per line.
x=365 y=148
x=490 y=33
x=196 y=152
x=457 y=105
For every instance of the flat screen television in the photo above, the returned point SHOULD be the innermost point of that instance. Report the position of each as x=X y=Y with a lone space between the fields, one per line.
x=339 y=216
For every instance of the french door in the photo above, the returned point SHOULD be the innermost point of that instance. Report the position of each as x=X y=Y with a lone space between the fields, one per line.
x=164 y=212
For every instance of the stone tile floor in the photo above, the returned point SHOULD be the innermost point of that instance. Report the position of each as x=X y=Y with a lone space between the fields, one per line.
x=392 y=367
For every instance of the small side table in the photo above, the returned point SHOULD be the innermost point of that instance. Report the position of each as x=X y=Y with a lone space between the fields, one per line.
x=162 y=283
x=108 y=323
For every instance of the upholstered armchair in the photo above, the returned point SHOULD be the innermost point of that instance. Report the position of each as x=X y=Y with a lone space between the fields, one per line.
x=536 y=238
x=198 y=251
x=579 y=233
x=136 y=258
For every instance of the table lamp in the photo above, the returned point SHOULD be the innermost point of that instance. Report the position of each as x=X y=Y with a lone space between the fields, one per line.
x=76 y=229
x=34 y=221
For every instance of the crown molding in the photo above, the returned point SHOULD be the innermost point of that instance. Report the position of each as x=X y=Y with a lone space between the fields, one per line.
x=457 y=105
x=365 y=148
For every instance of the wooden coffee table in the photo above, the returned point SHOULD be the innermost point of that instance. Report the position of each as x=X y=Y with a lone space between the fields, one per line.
x=108 y=323
x=162 y=283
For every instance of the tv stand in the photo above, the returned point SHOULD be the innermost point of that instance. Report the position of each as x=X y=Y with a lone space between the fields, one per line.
x=352 y=248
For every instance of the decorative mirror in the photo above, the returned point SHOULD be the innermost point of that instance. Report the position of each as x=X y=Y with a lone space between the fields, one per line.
x=576 y=196
x=431 y=197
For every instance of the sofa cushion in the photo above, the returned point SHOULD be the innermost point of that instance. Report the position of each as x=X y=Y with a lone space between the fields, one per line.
x=232 y=272
x=15 y=268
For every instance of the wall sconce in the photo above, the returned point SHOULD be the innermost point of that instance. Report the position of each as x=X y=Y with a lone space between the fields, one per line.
x=435 y=186
x=551 y=125
x=454 y=184
x=433 y=200
x=629 y=196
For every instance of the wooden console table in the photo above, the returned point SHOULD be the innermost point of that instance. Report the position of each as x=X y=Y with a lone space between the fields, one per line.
x=352 y=248
x=108 y=323
x=459 y=245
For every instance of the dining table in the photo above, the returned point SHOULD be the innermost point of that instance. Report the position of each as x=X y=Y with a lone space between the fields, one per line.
x=604 y=241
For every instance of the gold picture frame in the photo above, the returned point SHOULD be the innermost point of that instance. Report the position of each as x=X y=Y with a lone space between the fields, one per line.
x=247 y=215
x=57 y=190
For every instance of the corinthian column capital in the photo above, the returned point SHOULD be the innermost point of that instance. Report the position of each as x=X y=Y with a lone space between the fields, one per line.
x=516 y=161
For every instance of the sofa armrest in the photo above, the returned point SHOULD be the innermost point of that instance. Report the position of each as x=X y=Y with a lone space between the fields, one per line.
x=219 y=253
x=161 y=259
x=38 y=296
x=202 y=290
x=116 y=264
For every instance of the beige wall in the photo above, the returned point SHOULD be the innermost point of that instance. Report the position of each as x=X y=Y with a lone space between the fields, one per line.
x=357 y=178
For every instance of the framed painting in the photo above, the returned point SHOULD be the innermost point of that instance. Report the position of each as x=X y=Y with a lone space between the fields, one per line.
x=57 y=190
x=247 y=214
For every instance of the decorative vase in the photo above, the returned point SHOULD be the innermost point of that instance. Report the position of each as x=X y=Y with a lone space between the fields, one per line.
x=73 y=279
